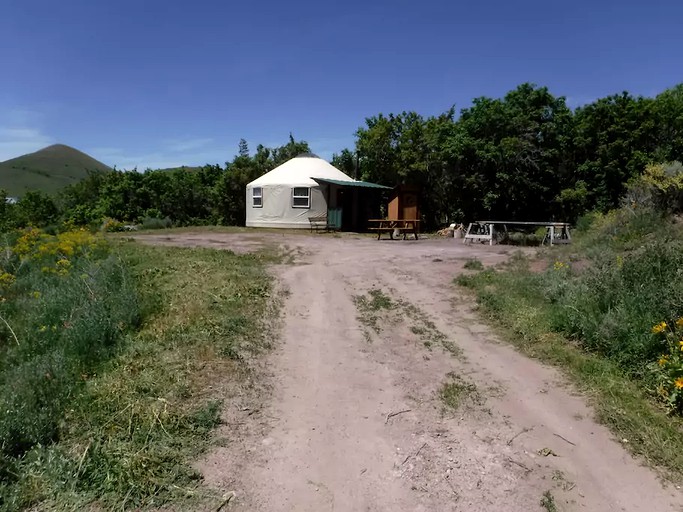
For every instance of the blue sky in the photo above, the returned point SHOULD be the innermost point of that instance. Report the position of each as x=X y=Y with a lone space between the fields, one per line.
x=152 y=83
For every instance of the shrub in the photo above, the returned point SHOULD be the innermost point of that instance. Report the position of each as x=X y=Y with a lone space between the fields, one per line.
x=112 y=225
x=65 y=308
x=156 y=223
x=609 y=306
x=473 y=264
x=624 y=229
x=586 y=221
x=660 y=187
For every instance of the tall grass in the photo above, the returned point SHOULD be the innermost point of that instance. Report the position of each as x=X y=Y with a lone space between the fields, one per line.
x=606 y=293
x=67 y=306
x=592 y=311
x=120 y=397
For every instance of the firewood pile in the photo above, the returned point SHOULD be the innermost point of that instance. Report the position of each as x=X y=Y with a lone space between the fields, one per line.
x=452 y=231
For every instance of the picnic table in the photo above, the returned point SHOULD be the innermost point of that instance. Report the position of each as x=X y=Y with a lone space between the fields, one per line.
x=486 y=230
x=404 y=226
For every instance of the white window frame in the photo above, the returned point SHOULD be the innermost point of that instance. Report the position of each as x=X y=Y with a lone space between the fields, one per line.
x=300 y=196
x=255 y=196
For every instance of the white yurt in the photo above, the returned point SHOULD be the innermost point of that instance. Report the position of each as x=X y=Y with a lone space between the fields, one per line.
x=291 y=193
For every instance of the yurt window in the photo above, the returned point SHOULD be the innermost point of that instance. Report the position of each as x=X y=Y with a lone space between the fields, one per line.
x=301 y=197
x=257 y=197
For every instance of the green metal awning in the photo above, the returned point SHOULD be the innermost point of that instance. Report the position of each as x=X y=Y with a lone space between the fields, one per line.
x=361 y=184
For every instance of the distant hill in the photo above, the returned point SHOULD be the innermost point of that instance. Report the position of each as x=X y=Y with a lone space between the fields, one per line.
x=188 y=168
x=49 y=170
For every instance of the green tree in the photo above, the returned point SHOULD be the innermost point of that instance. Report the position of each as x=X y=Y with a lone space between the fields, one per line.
x=37 y=209
x=78 y=202
x=346 y=162
x=122 y=197
x=409 y=149
x=668 y=117
x=292 y=149
x=515 y=153
x=243 y=148
x=7 y=212
x=615 y=138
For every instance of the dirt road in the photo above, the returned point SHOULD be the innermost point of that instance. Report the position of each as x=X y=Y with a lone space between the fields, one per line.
x=356 y=421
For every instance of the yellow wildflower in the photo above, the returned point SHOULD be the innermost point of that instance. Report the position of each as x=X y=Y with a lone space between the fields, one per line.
x=660 y=327
x=679 y=383
x=681 y=344
x=663 y=360
x=6 y=279
x=35 y=295
x=679 y=323
x=559 y=265
x=43 y=328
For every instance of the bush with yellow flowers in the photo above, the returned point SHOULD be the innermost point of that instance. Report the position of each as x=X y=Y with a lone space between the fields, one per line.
x=669 y=367
x=55 y=252
x=6 y=281
x=66 y=303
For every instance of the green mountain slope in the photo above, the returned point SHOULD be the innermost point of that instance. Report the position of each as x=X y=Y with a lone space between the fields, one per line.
x=188 y=168
x=48 y=170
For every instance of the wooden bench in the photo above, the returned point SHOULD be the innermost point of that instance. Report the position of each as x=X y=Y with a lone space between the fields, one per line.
x=490 y=230
x=318 y=222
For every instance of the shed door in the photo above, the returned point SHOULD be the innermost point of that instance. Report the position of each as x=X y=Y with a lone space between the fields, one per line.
x=409 y=204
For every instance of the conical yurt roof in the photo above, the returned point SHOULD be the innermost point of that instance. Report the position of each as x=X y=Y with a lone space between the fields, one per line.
x=299 y=171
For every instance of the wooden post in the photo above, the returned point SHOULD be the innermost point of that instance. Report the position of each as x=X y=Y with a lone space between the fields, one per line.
x=469 y=227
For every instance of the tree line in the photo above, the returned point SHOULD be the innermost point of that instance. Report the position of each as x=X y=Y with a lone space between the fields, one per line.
x=526 y=156
x=212 y=194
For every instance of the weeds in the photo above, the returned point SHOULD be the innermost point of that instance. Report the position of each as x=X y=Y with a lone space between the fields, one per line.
x=596 y=319
x=473 y=264
x=142 y=410
x=456 y=391
x=370 y=307
x=376 y=307
x=427 y=330
x=548 y=502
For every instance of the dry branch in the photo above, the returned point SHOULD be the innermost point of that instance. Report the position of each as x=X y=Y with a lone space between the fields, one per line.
x=392 y=414
x=416 y=454
x=565 y=439
x=523 y=431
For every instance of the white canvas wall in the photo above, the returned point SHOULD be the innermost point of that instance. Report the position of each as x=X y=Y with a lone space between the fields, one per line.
x=277 y=210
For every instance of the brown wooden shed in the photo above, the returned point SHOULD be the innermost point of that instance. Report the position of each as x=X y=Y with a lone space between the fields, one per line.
x=404 y=203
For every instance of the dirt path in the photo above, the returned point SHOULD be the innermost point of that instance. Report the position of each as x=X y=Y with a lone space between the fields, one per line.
x=326 y=441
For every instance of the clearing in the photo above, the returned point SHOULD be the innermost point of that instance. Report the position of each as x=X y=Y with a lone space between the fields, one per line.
x=385 y=392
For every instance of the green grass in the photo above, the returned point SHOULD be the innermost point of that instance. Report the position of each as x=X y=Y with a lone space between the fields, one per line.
x=371 y=306
x=548 y=502
x=47 y=170
x=140 y=416
x=594 y=322
x=455 y=392
x=473 y=264
x=376 y=308
x=427 y=331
